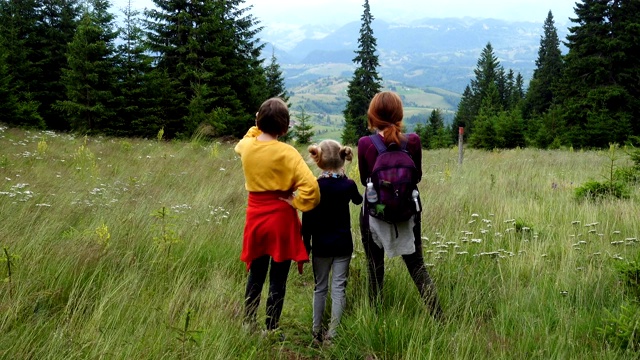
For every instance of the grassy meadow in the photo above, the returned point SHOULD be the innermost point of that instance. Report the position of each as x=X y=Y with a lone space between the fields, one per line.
x=129 y=249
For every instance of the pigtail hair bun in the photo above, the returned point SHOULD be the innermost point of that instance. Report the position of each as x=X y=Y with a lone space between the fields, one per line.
x=314 y=152
x=346 y=153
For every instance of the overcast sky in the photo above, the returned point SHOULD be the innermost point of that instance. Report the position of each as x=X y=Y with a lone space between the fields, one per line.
x=339 y=12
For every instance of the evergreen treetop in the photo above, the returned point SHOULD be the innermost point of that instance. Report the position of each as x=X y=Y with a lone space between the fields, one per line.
x=364 y=84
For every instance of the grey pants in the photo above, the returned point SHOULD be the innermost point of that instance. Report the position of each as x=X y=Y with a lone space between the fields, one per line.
x=339 y=269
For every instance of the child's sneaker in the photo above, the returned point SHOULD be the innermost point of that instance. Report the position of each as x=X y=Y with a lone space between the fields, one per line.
x=328 y=340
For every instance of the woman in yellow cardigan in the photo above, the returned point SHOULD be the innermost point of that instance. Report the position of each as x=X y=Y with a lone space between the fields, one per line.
x=273 y=171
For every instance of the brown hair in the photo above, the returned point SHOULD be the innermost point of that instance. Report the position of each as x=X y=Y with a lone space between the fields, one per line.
x=385 y=113
x=330 y=155
x=273 y=117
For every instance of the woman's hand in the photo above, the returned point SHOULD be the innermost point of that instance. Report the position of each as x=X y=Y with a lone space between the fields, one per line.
x=288 y=200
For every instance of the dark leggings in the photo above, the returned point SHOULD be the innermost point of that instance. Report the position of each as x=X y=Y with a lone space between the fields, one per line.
x=414 y=262
x=277 y=288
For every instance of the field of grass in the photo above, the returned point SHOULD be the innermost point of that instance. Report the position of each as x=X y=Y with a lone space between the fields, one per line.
x=431 y=99
x=129 y=249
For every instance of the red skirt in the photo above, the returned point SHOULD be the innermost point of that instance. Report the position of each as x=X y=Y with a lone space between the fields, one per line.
x=272 y=228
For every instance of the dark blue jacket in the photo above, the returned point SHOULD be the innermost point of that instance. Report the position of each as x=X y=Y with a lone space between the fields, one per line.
x=326 y=229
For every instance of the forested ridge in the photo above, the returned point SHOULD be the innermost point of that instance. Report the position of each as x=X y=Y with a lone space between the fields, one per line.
x=199 y=66
x=588 y=98
x=183 y=65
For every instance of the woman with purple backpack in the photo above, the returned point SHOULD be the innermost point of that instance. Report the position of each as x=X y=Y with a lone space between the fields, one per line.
x=396 y=233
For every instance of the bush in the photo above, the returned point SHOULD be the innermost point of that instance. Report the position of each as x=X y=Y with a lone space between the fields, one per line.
x=622 y=328
x=521 y=225
x=629 y=175
x=594 y=190
x=630 y=272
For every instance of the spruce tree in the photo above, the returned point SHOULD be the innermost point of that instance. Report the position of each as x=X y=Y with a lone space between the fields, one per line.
x=489 y=78
x=275 y=80
x=504 y=84
x=244 y=66
x=492 y=98
x=421 y=130
x=487 y=73
x=145 y=91
x=509 y=87
x=210 y=51
x=597 y=103
x=8 y=99
x=435 y=133
x=514 y=94
x=303 y=129
x=548 y=71
x=517 y=93
x=464 y=114
x=626 y=62
x=364 y=84
x=18 y=37
x=485 y=135
x=547 y=130
x=275 y=87
x=510 y=130
x=168 y=28
x=90 y=79
x=58 y=20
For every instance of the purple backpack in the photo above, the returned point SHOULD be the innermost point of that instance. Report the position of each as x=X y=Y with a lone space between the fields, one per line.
x=394 y=177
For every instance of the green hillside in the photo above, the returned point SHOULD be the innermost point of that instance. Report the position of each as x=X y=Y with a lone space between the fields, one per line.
x=324 y=100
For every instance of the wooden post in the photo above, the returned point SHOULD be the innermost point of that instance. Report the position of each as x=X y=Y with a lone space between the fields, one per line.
x=460 y=142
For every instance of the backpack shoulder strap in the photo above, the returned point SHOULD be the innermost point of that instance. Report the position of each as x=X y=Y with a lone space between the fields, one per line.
x=381 y=147
x=403 y=145
x=379 y=144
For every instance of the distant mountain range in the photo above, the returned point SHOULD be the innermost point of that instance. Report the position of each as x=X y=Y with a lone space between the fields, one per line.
x=436 y=53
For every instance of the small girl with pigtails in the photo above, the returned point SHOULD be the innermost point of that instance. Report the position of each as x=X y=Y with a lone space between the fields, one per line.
x=326 y=231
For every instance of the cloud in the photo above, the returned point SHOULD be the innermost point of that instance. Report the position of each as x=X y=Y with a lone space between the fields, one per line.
x=339 y=12
x=328 y=11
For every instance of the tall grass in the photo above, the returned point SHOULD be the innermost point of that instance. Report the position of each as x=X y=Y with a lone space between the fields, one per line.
x=523 y=270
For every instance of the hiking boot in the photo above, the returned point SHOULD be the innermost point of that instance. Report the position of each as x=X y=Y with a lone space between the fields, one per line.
x=317 y=338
